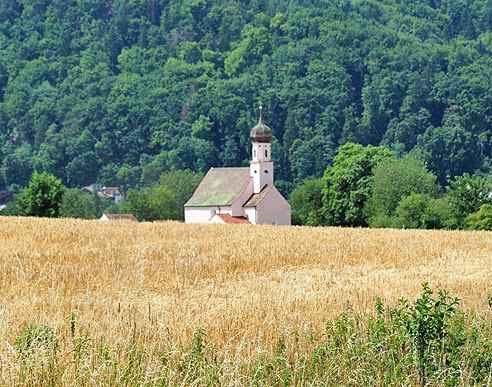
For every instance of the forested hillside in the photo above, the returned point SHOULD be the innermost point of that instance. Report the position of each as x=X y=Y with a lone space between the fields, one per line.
x=121 y=91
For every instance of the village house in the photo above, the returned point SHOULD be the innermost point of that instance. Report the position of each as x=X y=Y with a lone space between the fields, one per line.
x=112 y=193
x=241 y=195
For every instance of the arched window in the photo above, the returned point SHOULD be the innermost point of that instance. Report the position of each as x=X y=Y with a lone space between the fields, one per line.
x=266 y=153
x=254 y=154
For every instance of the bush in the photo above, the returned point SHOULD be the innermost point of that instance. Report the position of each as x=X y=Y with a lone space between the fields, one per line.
x=480 y=220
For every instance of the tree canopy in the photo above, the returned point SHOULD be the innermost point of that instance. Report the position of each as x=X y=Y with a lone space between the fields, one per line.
x=119 y=92
x=42 y=197
x=348 y=184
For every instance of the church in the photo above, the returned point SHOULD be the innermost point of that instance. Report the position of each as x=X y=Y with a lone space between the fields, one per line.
x=241 y=195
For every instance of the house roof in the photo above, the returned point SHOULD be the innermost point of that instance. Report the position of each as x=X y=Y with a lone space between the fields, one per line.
x=233 y=219
x=220 y=187
x=109 y=189
x=257 y=198
x=121 y=217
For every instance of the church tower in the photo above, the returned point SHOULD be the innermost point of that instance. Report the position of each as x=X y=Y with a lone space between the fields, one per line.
x=261 y=167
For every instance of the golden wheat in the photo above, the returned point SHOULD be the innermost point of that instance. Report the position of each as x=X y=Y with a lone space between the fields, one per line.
x=246 y=286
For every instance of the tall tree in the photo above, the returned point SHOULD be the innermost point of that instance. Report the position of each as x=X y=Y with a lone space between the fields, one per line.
x=348 y=184
x=395 y=179
x=42 y=197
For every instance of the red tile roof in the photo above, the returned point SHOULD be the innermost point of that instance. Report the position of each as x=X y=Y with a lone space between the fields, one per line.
x=233 y=219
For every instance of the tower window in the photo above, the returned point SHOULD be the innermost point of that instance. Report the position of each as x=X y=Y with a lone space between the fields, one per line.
x=266 y=171
x=254 y=154
x=266 y=152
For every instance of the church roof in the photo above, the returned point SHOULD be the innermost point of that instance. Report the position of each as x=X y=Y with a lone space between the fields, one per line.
x=220 y=187
x=257 y=198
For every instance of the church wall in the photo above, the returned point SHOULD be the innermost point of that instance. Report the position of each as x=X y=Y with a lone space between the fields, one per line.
x=237 y=207
x=274 y=209
x=204 y=214
x=250 y=213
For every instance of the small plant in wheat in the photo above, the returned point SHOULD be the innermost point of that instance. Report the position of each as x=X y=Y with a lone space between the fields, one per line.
x=38 y=353
x=427 y=325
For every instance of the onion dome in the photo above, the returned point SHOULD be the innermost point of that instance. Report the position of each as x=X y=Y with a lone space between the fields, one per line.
x=261 y=132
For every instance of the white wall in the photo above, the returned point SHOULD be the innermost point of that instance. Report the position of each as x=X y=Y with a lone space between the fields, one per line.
x=250 y=214
x=262 y=174
x=274 y=209
x=203 y=214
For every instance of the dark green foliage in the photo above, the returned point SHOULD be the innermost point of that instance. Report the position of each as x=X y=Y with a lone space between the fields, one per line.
x=348 y=184
x=482 y=219
x=76 y=204
x=150 y=205
x=396 y=178
x=11 y=209
x=428 y=324
x=42 y=197
x=466 y=194
x=119 y=92
x=182 y=184
x=306 y=201
x=164 y=200
x=421 y=211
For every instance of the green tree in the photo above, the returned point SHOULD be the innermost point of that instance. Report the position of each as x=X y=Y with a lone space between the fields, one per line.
x=139 y=204
x=151 y=204
x=42 y=197
x=396 y=178
x=480 y=220
x=449 y=150
x=182 y=184
x=306 y=201
x=410 y=211
x=11 y=209
x=76 y=204
x=466 y=194
x=348 y=184
x=421 y=211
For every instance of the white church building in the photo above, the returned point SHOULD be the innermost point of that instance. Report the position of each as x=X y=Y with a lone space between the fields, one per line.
x=241 y=195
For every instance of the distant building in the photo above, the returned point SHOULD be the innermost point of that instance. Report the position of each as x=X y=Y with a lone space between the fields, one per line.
x=241 y=195
x=112 y=193
x=107 y=217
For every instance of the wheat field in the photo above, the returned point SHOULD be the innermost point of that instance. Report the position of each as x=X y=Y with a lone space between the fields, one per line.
x=246 y=286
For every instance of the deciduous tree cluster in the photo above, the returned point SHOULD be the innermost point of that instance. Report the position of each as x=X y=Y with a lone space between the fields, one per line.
x=119 y=92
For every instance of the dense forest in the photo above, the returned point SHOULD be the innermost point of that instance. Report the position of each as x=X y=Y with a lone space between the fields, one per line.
x=121 y=91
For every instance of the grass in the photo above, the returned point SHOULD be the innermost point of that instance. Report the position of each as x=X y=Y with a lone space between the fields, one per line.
x=117 y=303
